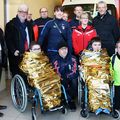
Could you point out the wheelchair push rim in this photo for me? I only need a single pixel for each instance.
(19, 93)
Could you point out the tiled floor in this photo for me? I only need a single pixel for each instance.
(12, 114)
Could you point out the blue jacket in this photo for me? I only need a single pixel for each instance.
(67, 68)
(53, 36)
(74, 23)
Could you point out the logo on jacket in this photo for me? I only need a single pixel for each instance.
(63, 26)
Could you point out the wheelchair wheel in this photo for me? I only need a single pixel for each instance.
(79, 91)
(34, 114)
(84, 113)
(64, 110)
(116, 114)
(19, 93)
(41, 102)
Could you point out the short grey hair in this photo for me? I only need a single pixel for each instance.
(102, 2)
(23, 7)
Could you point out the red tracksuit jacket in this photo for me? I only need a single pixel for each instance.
(80, 38)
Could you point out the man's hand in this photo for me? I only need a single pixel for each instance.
(16, 53)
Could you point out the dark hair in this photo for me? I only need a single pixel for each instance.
(117, 43)
(58, 8)
(32, 44)
(94, 39)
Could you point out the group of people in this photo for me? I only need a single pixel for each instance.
(63, 41)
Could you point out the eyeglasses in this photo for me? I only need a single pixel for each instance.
(36, 49)
(44, 11)
(23, 12)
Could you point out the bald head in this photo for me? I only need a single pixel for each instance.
(43, 12)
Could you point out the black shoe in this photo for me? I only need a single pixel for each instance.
(2, 107)
(72, 106)
(1, 114)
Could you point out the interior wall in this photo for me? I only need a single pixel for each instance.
(34, 6)
(2, 14)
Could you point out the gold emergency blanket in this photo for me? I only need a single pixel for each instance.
(41, 75)
(96, 73)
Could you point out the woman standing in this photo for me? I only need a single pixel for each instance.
(54, 32)
(82, 34)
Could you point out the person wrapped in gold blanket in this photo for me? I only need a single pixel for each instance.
(96, 73)
(41, 75)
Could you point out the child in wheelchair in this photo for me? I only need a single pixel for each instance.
(96, 77)
(41, 75)
(66, 66)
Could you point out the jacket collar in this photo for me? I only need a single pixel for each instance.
(89, 27)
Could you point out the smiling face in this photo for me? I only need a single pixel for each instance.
(78, 11)
(35, 48)
(96, 46)
(58, 14)
(22, 12)
(84, 19)
(102, 7)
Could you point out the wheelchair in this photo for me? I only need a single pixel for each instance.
(83, 99)
(22, 93)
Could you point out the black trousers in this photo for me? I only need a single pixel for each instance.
(71, 87)
(117, 97)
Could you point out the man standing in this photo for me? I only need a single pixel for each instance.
(78, 10)
(106, 27)
(18, 35)
(40, 22)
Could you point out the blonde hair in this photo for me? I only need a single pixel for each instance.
(85, 14)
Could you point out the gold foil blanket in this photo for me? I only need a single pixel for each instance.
(96, 73)
(41, 75)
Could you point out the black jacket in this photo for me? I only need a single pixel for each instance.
(107, 28)
(15, 40)
(67, 68)
(13, 36)
(40, 22)
(3, 56)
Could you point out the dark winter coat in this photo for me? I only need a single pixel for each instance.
(107, 28)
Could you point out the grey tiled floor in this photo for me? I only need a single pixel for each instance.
(12, 114)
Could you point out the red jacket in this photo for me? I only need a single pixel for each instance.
(80, 38)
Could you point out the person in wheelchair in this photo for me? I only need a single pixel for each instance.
(96, 76)
(66, 66)
(41, 75)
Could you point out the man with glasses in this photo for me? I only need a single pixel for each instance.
(18, 36)
(40, 22)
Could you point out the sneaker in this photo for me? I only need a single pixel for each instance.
(98, 111)
(72, 106)
(106, 111)
(1, 114)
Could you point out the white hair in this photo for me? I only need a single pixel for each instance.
(23, 7)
